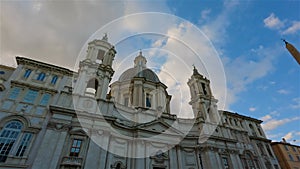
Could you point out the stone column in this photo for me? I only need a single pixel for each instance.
(93, 155)
(140, 152)
(173, 158)
(105, 139)
(50, 150)
(179, 158)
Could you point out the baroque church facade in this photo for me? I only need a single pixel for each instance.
(55, 118)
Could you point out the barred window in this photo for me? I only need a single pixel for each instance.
(8, 137)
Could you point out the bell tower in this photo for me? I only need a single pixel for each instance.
(203, 103)
(95, 71)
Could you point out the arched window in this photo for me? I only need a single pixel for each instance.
(41, 76)
(260, 132)
(54, 79)
(91, 88)
(27, 73)
(252, 130)
(118, 166)
(8, 137)
(148, 100)
(248, 161)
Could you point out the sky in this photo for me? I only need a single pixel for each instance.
(236, 44)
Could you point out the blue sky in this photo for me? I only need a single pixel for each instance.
(262, 78)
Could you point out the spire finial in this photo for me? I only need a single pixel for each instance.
(284, 41)
(105, 38)
(141, 52)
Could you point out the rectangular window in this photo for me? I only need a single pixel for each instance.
(148, 100)
(294, 149)
(24, 144)
(269, 151)
(24, 108)
(54, 79)
(126, 101)
(100, 55)
(298, 157)
(14, 93)
(7, 104)
(225, 162)
(30, 96)
(45, 99)
(41, 76)
(40, 111)
(286, 147)
(75, 148)
(291, 157)
(27, 73)
(204, 88)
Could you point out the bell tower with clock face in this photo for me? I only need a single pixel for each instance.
(95, 71)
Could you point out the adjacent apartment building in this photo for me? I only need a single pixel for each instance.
(55, 118)
(288, 155)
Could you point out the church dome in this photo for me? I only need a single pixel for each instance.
(148, 74)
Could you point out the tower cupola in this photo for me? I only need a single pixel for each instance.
(140, 62)
(95, 71)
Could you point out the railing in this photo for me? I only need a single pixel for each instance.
(75, 161)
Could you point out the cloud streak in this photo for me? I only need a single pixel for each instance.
(271, 123)
(273, 22)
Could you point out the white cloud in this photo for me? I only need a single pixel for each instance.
(283, 91)
(284, 27)
(273, 136)
(293, 28)
(273, 22)
(288, 136)
(249, 70)
(205, 13)
(252, 109)
(272, 124)
(52, 32)
(266, 117)
(296, 103)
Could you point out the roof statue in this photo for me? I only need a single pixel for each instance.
(105, 38)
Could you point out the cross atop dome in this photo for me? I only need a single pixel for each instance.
(140, 61)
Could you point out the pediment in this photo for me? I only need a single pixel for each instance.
(77, 131)
(160, 126)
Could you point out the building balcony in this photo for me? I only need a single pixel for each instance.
(73, 161)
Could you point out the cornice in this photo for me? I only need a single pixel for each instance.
(27, 61)
(241, 116)
(22, 84)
